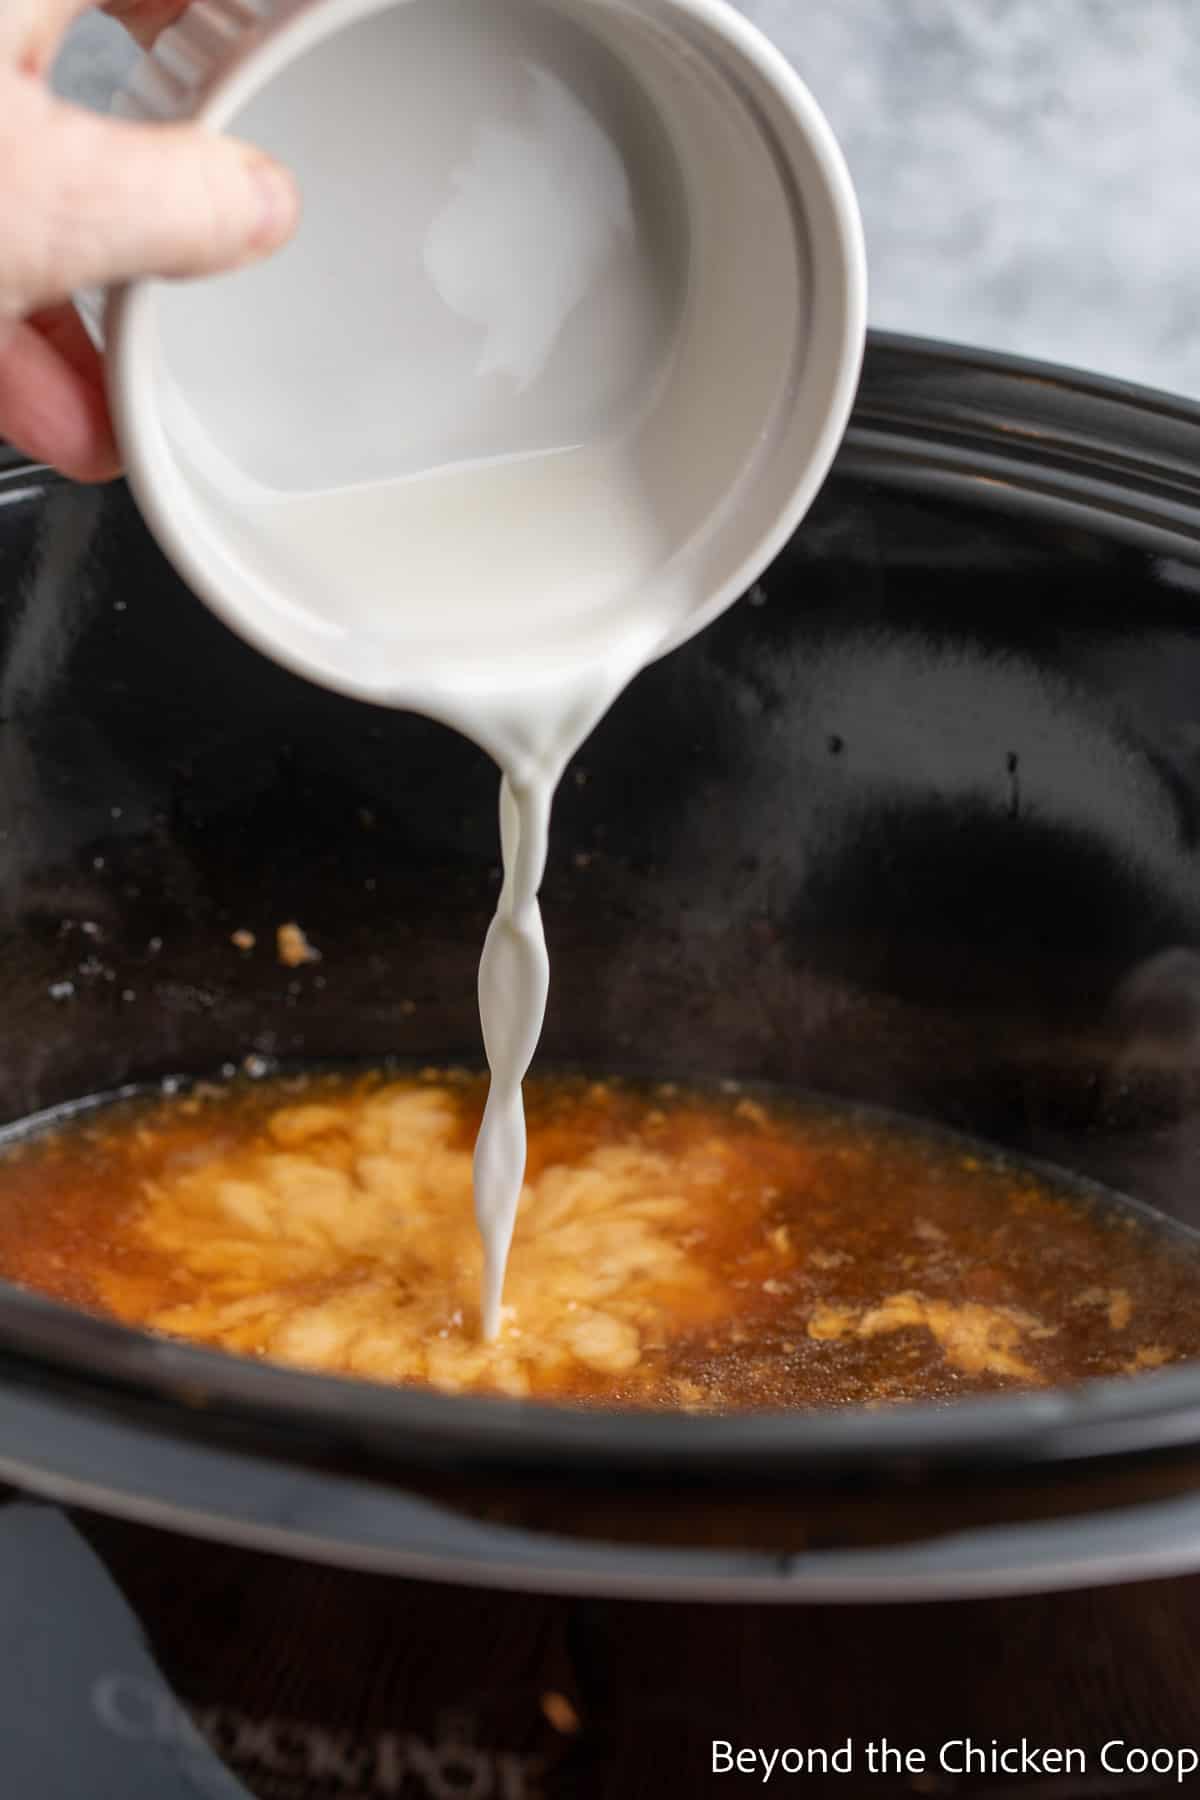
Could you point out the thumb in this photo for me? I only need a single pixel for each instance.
(130, 200)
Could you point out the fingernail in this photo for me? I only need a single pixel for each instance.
(278, 203)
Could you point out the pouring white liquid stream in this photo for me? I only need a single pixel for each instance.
(514, 980)
(514, 972)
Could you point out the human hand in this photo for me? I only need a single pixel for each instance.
(85, 201)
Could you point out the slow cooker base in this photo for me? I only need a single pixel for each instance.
(143, 1663)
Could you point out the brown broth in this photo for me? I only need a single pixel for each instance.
(674, 1249)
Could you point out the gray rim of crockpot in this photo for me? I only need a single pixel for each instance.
(69, 1456)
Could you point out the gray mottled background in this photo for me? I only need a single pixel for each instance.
(1027, 168)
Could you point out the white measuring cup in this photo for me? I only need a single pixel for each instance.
(563, 347)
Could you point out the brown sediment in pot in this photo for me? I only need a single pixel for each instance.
(292, 946)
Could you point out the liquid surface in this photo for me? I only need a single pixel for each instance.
(671, 1250)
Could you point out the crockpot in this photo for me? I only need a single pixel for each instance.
(915, 825)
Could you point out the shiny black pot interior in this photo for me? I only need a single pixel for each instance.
(915, 824)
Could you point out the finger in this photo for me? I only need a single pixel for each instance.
(52, 403)
(145, 19)
(30, 30)
(108, 201)
(65, 331)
